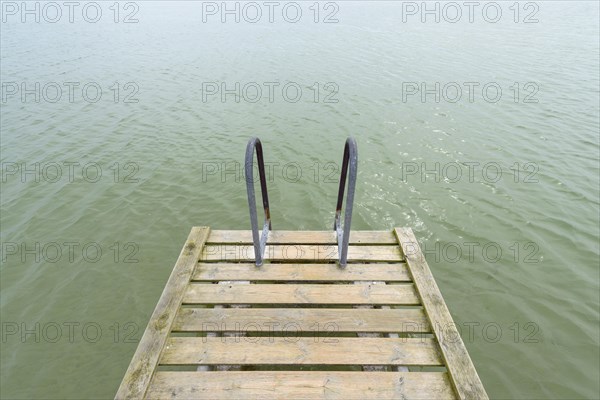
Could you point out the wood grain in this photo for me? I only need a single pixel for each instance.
(301, 272)
(294, 350)
(300, 253)
(302, 237)
(310, 320)
(401, 294)
(292, 385)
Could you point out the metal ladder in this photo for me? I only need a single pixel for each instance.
(349, 162)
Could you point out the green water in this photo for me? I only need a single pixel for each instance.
(508, 213)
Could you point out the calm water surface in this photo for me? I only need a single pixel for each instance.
(507, 208)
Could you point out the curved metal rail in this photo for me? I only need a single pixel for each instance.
(259, 242)
(350, 162)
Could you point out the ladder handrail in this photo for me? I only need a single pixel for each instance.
(259, 242)
(350, 161)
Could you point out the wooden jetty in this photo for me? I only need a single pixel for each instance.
(299, 326)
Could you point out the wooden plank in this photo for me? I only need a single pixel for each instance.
(460, 367)
(312, 320)
(401, 294)
(302, 237)
(294, 350)
(269, 385)
(300, 253)
(372, 368)
(145, 359)
(397, 272)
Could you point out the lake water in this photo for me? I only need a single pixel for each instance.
(481, 134)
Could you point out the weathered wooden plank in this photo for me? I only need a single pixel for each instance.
(294, 350)
(310, 320)
(460, 367)
(200, 293)
(302, 237)
(372, 368)
(300, 253)
(145, 359)
(397, 272)
(332, 385)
